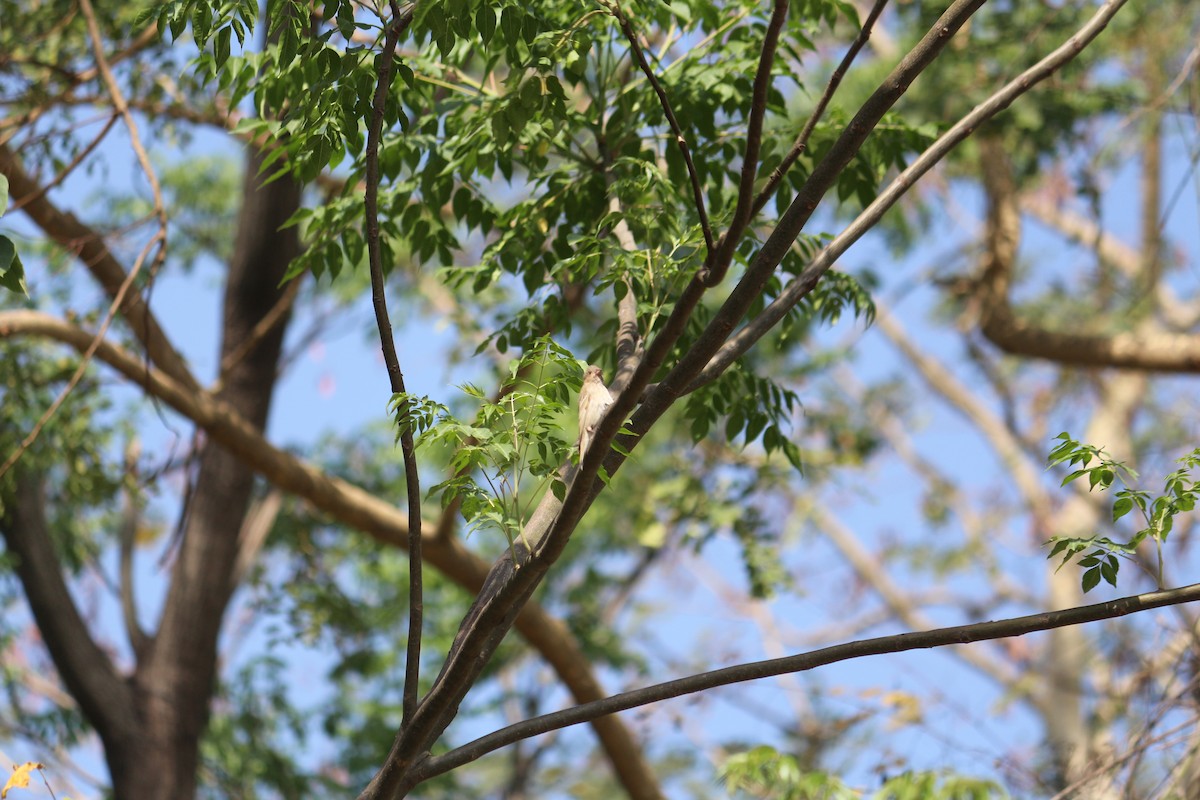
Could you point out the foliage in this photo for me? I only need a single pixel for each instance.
(530, 185)
(1157, 512)
(515, 440)
(12, 272)
(765, 773)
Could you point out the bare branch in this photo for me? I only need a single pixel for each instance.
(899, 643)
(401, 19)
(273, 318)
(88, 246)
(1006, 446)
(875, 574)
(1110, 250)
(70, 167)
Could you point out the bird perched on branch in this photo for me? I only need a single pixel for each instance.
(594, 400)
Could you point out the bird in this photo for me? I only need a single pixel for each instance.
(594, 400)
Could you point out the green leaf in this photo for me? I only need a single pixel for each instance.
(12, 272)
(1091, 579)
(406, 74)
(3, 194)
(1122, 507)
(485, 21)
(221, 46)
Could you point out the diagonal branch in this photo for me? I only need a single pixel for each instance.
(801, 285)
(507, 588)
(1007, 447)
(757, 670)
(745, 210)
(822, 178)
(835, 80)
(640, 57)
(87, 671)
(66, 230)
(401, 19)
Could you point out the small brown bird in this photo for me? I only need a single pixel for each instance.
(594, 400)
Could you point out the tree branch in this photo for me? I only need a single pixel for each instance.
(823, 176)
(89, 675)
(88, 246)
(1006, 446)
(355, 508)
(835, 80)
(697, 192)
(401, 19)
(1145, 348)
(745, 210)
(802, 284)
(899, 643)
(507, 589)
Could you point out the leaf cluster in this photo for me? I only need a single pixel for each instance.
(1157, 512)
(512, 440)
(764, 772)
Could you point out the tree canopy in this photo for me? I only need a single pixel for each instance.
(847, 269)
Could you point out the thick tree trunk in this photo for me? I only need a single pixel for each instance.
(174, 680)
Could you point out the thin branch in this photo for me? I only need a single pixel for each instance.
(745, 210)
(130, 517)
(749, 289)
(1008, 448)
(70, 167)
(401, 19)
(835, 80)
(83, 362)
(803, 662)
(274, 317)
(872, 571)
(159, 238)
(697, 192)
(88, 246)
(1110, 250)
(802, 284)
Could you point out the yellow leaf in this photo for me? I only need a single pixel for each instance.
(20, 777)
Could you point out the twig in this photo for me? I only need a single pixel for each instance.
(835, 80)
(744, 211)
(265, 325)
(69, 168)
(697, 192)
(803, 662)
(401, 19)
